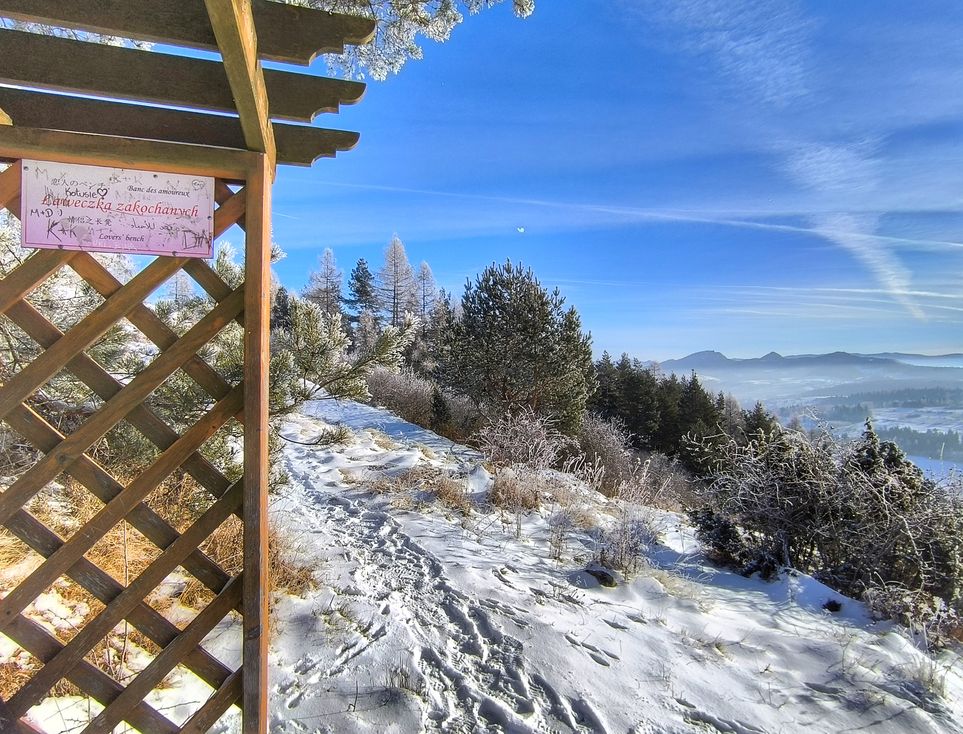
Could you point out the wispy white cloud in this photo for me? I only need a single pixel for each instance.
(764, 48)
(829, 225)
(760, 45)
(846, 291)
(854, 233)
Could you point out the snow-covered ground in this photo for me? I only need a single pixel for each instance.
(427, 620)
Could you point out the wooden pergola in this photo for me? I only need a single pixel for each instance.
(230, 120)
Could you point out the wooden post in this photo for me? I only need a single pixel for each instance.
(233, 24)
(93, 129)
(257, 306)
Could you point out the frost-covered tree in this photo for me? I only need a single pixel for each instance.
(180, 287)
(427, 292)
(361, 290)
(437, 332)
(516, 347)
(731, 416)
(281, 310)
(399, 25)
(312, 360)
(324, 285)
(396, 287)
(366, 332)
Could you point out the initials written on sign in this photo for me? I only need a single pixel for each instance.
(99, 209)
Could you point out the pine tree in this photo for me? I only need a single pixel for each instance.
(697, 410)
(637, 401)
(668, 437)
(366, 332)
(281, 310)
(732, 418)
(396, 288)
(605, 400)
(440, 412)
(516, 347)
(438, 331)
(758, 420)
(311, 360)
(418, 355)
(324, 286)
(361, 291)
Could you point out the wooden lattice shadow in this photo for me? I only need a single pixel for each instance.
(69, 451)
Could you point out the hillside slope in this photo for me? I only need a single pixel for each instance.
(424, 619)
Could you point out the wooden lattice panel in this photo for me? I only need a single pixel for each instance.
(127, 499)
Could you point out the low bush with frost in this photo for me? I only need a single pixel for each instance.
(859, 517)
(625, 543)
(403, 393)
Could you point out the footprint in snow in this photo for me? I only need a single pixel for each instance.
(499, 574)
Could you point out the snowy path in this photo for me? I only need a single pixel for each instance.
(468, 669)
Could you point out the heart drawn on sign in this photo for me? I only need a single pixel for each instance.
(102, 192)
(198, 185)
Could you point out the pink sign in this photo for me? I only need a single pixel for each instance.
(96, 209)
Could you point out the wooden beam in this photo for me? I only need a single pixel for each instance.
(257, 305)
(286, 33)
(18, 142)
(66, 65)
(29, 274)
(73, 652)
(165, 661)
(150, 324)
(206, 716)
(297, 35)
(233, 24)
(10, 184)
(117, 508)
(115, 409)
(90, 680)
(105, 587)
(296, 144)
(84, 333)
(103, 486)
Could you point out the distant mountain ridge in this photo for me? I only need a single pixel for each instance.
(774, 376)
(709, 358)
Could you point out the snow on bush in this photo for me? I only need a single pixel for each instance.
(521, 438)
(862, 518)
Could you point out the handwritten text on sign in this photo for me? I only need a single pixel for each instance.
(98, 209)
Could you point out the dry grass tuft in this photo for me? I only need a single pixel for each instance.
(514, 490)
(12, 550)
(446, 489)
(453, 494)
(382, 440)
(224, 547)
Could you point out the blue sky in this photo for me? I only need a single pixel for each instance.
(739, 175)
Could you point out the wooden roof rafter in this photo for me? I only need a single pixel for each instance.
(243, 31)
(290, 34)
(33, 60)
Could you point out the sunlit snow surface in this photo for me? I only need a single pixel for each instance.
(427, 621)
